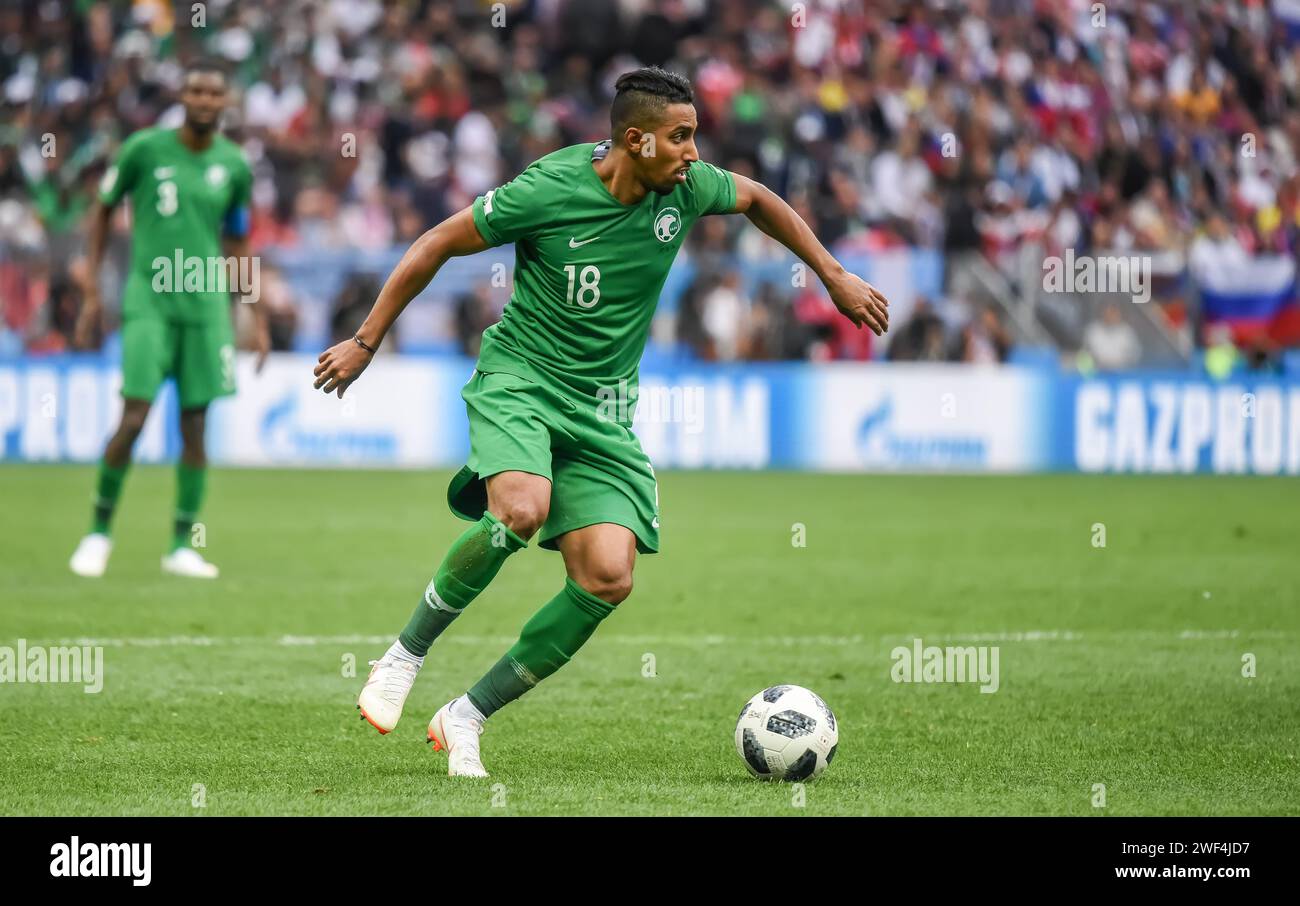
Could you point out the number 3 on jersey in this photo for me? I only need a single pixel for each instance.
(166, 205)
(588, 285)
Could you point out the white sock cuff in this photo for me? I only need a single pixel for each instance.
(464, 709)
(398, 650)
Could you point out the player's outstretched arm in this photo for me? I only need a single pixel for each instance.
(860, 302)
(343, 363)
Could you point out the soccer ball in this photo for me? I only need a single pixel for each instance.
(786, 733)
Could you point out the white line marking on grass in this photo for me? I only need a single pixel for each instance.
(170, 641)
(710, 639)
(293, 641)
(1032, 635)
(1066, 635)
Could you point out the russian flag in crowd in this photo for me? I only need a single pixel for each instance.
(1253, 296)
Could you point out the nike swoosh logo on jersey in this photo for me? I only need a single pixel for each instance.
(164, 172)
(573, 243)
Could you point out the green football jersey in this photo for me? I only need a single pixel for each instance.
(588, 268)
(182, 201)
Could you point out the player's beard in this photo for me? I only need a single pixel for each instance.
(667, 187)
(199, 127)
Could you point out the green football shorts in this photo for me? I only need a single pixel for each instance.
(201, 357)
(597, 469)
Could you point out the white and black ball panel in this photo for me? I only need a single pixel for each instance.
(786, 733)
(791, 723)
(804, 766)
(752, 751)
(772, 693)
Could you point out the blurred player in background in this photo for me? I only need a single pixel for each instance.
(596, 228)
(187, 187)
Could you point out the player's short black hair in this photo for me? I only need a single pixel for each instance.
(640, 97)
(206, 64)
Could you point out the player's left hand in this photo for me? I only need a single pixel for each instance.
(340, 365)
(860, 302)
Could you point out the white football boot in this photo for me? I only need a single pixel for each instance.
(459, 736)
(90, 559)
(385, 691)
(186, 561)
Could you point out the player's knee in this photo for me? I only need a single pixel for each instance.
(523, 515)
(610, 583)
(192, 447)
(194, 421)
(133, 421)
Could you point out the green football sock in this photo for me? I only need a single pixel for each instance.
(548, 641)
(469, 566)
(190, 483)
(108, 488)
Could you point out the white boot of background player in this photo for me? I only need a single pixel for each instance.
(186, 561)
(90, 559)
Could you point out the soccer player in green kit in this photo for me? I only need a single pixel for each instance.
(187, 186)
(595, 229)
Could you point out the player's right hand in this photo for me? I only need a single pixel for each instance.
(860, 302)
(88, 319)
(340, 365)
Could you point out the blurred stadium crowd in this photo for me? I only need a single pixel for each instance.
(975, 129)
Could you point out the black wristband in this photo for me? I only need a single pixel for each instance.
(362, 343)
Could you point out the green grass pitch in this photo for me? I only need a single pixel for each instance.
(1120, 665)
